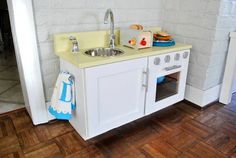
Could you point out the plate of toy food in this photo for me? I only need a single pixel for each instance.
(163, 39)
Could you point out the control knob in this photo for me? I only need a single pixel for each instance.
(177, 56)
(185, 55)
(167, 59)
(157, 61)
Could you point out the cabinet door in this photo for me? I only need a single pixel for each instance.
(115, 94)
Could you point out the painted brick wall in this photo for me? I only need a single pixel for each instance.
(58, 16)
(205, 24)
(226, 23)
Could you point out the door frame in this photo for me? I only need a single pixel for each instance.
(230, 71)
(27, 56)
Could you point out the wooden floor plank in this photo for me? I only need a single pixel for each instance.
(223, 143)
(13, 152)
(197, 129)
(88, 152)
(58, 128)
(70, 143)
(46, 151)
(10, 145)
(175, 117)
(21, 120)
(6, 127)
(28, 138)
(189, 110)
(204, 151)
(115, 145)
(178, 131)
(42, 133)
(157, 148)
(233, 155)
(138, 133)
(182, 141)
(211, 120)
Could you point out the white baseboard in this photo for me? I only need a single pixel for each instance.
(200, 97)
(50, 117)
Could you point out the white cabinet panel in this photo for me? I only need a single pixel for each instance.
(115, 94)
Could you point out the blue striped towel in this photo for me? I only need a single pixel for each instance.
(63, 98)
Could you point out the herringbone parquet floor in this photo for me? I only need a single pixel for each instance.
(178, 131)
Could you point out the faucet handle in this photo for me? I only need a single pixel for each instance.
(75, 46)
(113, 36)
(72, 38)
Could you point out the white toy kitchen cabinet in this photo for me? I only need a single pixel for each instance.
(108, 96)
(114, 90)
(111, 95)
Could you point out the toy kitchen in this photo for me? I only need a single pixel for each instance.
(121, 75)
(166, 74)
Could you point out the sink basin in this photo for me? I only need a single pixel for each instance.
(104, 52)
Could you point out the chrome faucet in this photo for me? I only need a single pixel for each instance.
(75, 44)
(112, 35)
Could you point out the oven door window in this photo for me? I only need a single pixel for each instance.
(167, 86)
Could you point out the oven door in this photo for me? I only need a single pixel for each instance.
(166, 80)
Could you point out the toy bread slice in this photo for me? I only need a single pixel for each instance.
(140, 27)
(136, 27)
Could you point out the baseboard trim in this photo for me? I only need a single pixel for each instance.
(200, 97)
(201, 108)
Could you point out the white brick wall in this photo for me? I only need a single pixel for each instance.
(226, 22)
(206, 25)
(203, 23)
(58, 16)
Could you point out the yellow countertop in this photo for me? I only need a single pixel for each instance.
(82, 60)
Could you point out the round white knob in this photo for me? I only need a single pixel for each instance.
(185, 55)
(177, 56)
(157, 61)
(167, 59)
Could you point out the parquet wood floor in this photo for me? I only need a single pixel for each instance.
(179, 131)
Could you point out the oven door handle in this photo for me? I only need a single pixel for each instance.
(172, 67)
(146, 73)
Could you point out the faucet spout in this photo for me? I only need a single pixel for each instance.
(108, 14)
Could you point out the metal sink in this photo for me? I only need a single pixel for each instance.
(104, 52)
